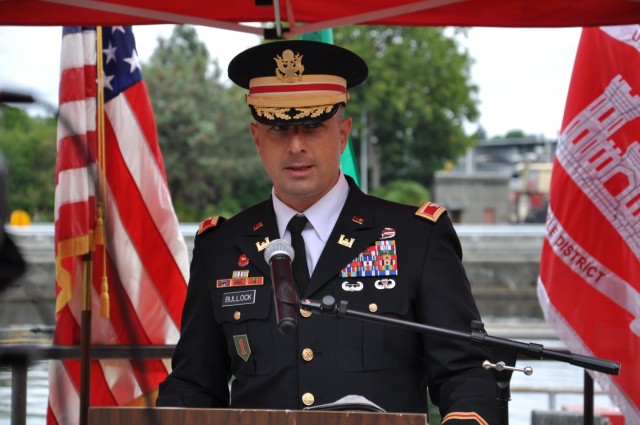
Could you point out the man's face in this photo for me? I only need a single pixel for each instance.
(302, 161)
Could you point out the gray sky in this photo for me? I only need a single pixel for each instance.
(523, 74)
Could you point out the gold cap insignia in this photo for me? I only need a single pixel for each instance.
(289, 67)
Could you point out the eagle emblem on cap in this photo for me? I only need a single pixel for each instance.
(290, 66)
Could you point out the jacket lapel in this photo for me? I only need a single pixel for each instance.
(354, 231)
(258, 234)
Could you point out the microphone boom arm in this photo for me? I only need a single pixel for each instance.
(329, 306)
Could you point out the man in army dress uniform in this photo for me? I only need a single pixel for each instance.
(384, 258)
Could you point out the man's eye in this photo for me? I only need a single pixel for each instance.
(280, 127)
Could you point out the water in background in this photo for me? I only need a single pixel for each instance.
(37, 394)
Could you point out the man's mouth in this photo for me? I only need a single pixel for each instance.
(299, 167)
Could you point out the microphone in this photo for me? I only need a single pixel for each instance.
(279, 254)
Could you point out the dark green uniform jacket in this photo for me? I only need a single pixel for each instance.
(381, 257)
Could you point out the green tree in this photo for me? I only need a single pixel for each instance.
(405, 192)
(209, 156)
(414, 103)
(29, 147)
(515, 134)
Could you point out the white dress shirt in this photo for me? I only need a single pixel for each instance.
(322, 218)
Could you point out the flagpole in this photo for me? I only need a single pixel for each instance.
(85, 339)
(87, 259)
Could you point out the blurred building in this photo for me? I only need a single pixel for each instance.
(498, 181)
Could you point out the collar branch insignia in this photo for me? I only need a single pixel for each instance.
(344, 241)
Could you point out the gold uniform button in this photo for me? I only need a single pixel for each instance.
(236, 315)
(305, 313)
(373, 307)
(308, 399)
(307, 354)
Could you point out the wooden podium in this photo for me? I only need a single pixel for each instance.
(180, 416)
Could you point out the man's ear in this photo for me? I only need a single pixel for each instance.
(345, 130)
(255, 134)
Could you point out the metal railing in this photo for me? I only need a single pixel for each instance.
(19, 356)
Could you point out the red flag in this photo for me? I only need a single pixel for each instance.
(589, 286)
(146, 262)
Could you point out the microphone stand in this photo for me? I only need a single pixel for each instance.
(505, 349)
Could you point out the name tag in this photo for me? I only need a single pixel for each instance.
(230, 299)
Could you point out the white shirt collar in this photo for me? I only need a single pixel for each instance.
(322, 215)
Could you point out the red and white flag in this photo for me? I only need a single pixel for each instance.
(589, 286)
(146, 261)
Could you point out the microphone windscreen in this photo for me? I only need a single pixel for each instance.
(278, 247)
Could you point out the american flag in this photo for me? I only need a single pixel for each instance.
(146, 257)
(589, 286)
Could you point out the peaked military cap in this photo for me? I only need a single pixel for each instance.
(296, 82)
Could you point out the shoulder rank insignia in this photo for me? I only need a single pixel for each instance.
(209, 223)
(430, 211)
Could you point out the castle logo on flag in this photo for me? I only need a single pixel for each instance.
(589, 284)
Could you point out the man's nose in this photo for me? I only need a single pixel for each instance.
(297, 142)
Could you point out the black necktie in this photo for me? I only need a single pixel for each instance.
(299, 267)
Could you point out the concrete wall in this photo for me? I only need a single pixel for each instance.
(471, 197)
(500, 260)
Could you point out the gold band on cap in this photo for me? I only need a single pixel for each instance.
(309, 90)
(297, 100)
(304, 79)
(309, 96)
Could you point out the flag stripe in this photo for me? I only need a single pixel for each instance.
(83, 213)
(73, 153)
(148, 176)
(141, 231)
(142, 216)
(70, 92)
(72, 187)
(589, 270)
(63, 395)
(69, 125)
(144, 261)
(137, 96)
(615, 387)
(140, 289)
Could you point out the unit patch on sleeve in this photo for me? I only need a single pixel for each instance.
(379, 259)
(242, 346)
(240, 278)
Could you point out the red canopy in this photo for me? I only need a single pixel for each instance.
(322, 14)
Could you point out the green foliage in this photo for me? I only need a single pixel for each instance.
(403, 191)
(416, 99)
(29, 148)
(515, 134)
(512, 134)
(210, 159)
